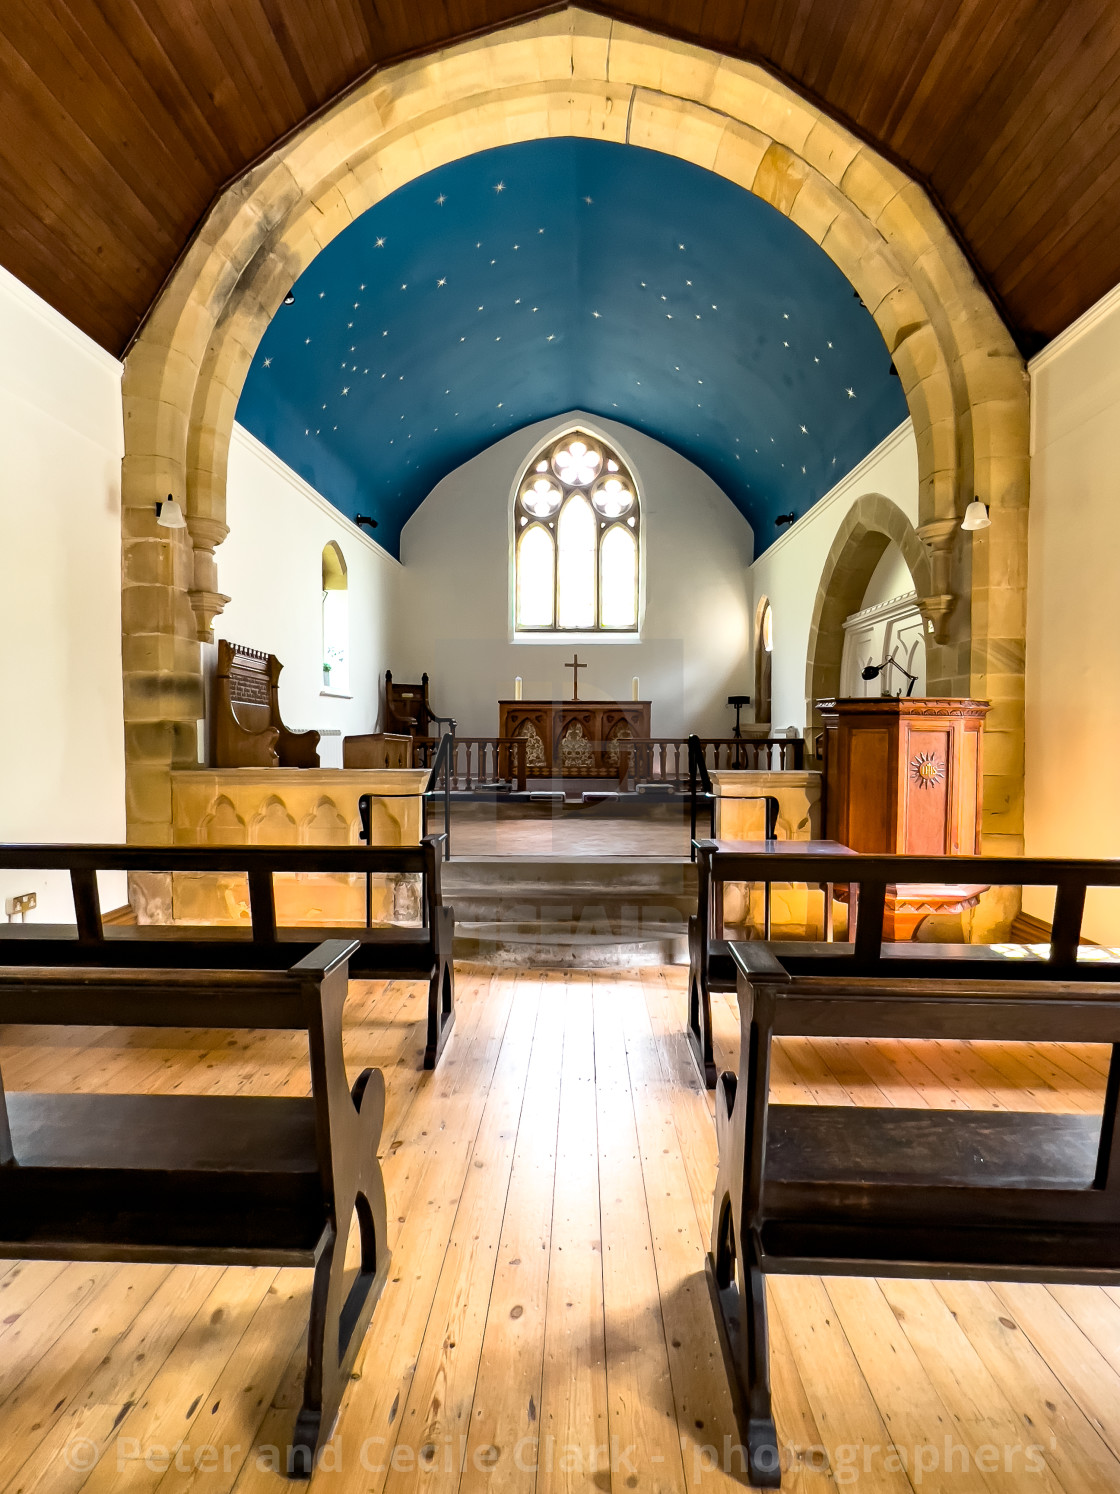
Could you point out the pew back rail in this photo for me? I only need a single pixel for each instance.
(710, 967)
(383, 953)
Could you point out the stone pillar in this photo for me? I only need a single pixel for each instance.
(163, 696)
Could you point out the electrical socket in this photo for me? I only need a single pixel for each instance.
(21, 905)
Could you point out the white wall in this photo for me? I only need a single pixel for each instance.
(890, 579)
(62, 743)
(271, 568)
(1073, 606)
(790, 571)
(456, 621)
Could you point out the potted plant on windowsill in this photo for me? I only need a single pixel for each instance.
(326, 676)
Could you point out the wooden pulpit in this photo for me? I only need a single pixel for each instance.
(904, 777)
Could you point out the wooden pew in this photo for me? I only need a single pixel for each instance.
(207, 1179)
(396, 952)
(827, 1190)
(710, 966)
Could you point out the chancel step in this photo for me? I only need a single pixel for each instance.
(576, 912)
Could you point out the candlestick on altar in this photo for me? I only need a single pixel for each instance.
(634, 688)
(517, 688)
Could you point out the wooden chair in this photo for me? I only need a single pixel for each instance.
(207, 1179)
(377, 749)
(852, 1190)
(248, 730)
(407, 709)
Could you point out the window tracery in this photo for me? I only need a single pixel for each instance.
(577, 524)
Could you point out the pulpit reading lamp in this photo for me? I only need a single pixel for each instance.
(871, 670)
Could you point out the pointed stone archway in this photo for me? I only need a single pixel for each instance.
(870, 525)
(566, 73)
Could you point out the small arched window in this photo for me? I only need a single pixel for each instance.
(577, 526)
(336, 622)
(763, 661)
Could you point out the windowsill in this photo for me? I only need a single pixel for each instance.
(564, 639)
(337, 694)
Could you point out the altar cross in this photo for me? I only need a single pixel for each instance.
(575, 666)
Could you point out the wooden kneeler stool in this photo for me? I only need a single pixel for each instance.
(941, 1194)
(208, 1180)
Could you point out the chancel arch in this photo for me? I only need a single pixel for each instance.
(565, 73)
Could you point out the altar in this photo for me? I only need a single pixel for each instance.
(574, 738)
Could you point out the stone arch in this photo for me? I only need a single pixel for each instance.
(568, 72)
(869, 526)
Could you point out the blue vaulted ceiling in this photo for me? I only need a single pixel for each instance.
(522, 282)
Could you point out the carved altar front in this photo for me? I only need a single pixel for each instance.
(574, 738)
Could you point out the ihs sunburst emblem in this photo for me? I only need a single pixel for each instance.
(927, 770)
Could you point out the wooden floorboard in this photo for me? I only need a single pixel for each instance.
(546, 1326)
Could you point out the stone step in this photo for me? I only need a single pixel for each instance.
(571, 945)
(571, 912)
(622, 890)
(639, 874)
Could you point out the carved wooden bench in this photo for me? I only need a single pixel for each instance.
(248, 731)
(894, 1192)
(385, 953)
(203, 1179)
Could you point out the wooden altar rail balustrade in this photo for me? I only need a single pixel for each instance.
(478, 762)
(665, 759)
(491, 762)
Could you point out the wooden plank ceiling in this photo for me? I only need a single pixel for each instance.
(123, 118)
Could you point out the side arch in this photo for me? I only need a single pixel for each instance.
(868, 528)
(565, 73)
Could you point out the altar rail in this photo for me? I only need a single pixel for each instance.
(502, 762)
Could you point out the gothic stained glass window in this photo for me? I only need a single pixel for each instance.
(578, 533)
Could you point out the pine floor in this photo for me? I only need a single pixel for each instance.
(549, 1192)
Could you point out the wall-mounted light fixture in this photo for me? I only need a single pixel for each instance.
(169, 515)
(785, 518)
(290, 299)
(365, 519)
(976, 516)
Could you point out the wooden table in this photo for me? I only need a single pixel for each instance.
(779, 848)
(910, 903)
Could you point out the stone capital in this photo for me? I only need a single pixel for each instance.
(207, 605)
(938, 610)
(206, 534)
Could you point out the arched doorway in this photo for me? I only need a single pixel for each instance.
(887, 632)
(870, 526)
